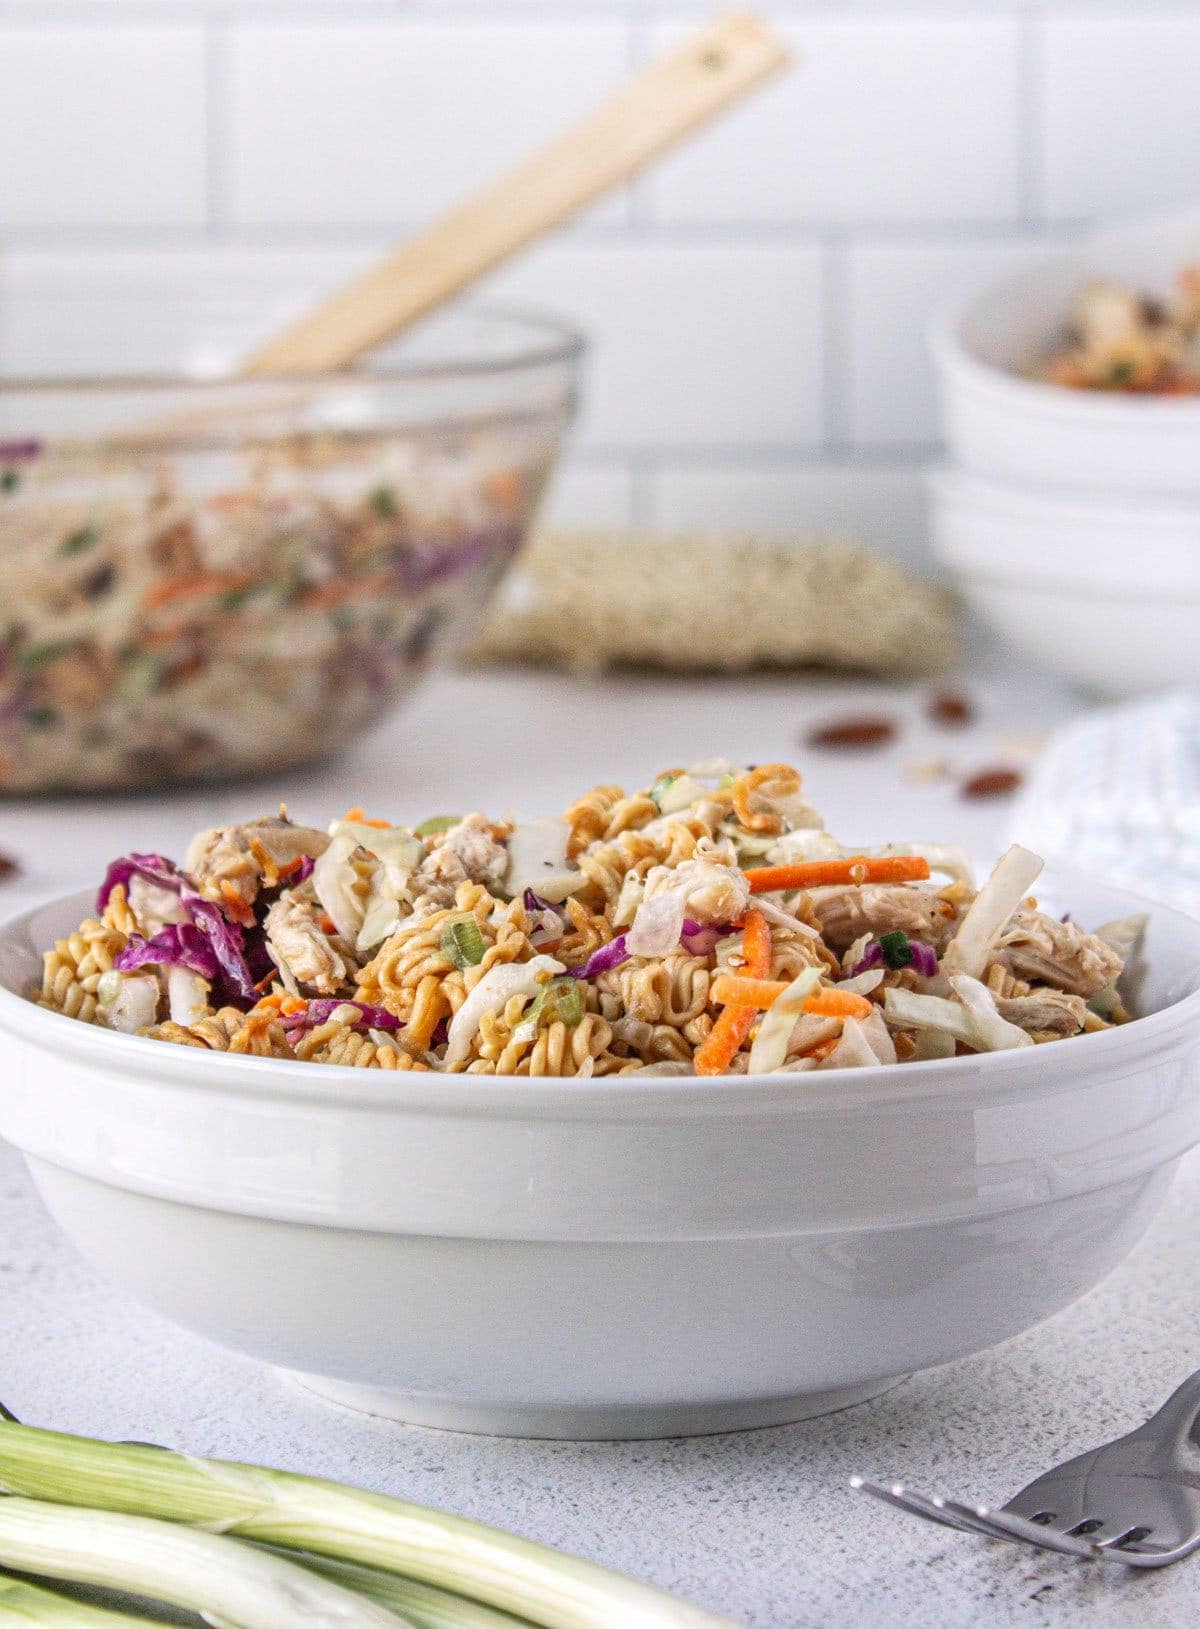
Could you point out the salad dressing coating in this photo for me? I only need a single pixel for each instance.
(706, 924)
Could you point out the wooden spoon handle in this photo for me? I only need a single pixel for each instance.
(599, 151)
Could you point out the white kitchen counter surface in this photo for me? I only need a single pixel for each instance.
(760, 1526)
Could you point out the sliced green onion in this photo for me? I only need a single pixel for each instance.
(41, 718)
(197, 1571)
(383, 502)
(559, 999)
(897, 952)
(9, 480)
(437, 823)
(39, 655)
(301, 1513)
(84, 537)
(23, 1602)
(1104, 1002)
(462, 942)
(660, 786)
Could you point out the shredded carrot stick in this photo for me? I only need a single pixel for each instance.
(194, 585)
(756, 945)
(358, 818)
(292, 1004)
(235, 905)
(768, 879)
(324, 596)
(829, 1003)
(721, 1045)
(290, 869)
(506, 489)
(728, 991)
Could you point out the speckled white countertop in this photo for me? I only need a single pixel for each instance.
(760, 1526)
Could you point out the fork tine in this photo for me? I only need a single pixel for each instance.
(1106, 1550)
(1043, 1538)
(915, 1504)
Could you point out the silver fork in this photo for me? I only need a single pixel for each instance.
(1135, 1500)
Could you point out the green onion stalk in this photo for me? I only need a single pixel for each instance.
(200, 1572)
(23, 1602)
(329, 1519)
(420, 1605)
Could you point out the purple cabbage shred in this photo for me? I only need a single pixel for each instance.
(177, 945)
(318, 1012)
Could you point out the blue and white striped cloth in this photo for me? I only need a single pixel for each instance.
(1118, 792)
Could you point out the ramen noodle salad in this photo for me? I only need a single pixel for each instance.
(1121, 339)
(706, 925)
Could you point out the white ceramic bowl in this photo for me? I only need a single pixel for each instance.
(1104, 590)
(998, 422)
(606, 1258)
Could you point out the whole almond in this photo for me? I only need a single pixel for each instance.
(992, 783)
(866, 730)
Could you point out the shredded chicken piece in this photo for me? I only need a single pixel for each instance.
(1044, 1010)
(467, 852)
(239, 858)
(300, 946)
(1037, 947)
(846, 913)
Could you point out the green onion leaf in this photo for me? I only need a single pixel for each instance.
(533, 1582)
(85, 537)
(437, 823)
(9, 480)
(462, 942)
(40, 718)
(897, 952)
(383, 502)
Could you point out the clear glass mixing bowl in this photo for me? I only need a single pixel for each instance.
(203, 577)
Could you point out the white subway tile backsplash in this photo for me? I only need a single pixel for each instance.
(102, 125)
(72, 311)
(757, 303)
(1120, 110)
(706, 345)
(362, 121)
(892, 293)
(880, 504)
(888, 117)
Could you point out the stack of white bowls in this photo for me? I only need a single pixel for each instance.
(1071, 518)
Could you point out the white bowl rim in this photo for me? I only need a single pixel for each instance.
(950, 353)
(342, 1085)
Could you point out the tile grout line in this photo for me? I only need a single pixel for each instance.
(835, 339)
(1031, 131)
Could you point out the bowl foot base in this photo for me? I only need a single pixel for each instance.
(614, 1422)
